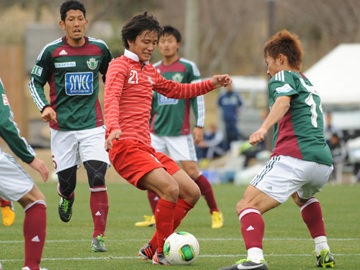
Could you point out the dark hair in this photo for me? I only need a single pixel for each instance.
(71, 4)
(169, 30)
(285, 43)
(137, 25)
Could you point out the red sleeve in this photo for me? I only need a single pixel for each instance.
(115, 78)
(175, 90)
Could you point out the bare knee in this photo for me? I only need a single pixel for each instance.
(190, 167)
(299, 201)
(241, 205)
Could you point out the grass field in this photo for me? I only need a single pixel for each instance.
(287, 243)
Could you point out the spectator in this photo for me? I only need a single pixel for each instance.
(230, 104)
(338, 152)
(211, 145)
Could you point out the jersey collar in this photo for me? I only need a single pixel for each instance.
(133, 56)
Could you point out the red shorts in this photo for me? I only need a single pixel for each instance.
(133, 159)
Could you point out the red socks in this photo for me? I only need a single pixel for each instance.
(252, 227)
(34, 229)
(164, 217)
(312, 216)
(153, 200)
(181, 210)
(99, 206)
(207, 192)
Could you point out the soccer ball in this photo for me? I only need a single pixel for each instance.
(181, 248)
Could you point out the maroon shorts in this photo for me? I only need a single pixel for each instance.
(133, 159)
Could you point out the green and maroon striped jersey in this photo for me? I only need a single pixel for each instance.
(300, 133)
(171, 117)
(10, 133)
(73, 76)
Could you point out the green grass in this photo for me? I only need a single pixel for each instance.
(287, 243)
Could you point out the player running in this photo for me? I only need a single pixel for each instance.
(301, 161)
(170, 122)
(16, 185)
(71, 66)
(128, 95)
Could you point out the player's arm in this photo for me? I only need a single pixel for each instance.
(107, 58)
(278, 110)
(10, 133)
(38, 78)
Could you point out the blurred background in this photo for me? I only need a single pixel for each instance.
(221, 36)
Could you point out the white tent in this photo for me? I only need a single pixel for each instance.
(336, 76)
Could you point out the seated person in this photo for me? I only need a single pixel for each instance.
(211, 145)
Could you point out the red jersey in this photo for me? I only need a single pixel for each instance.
(128, 95)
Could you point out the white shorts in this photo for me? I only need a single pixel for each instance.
(179, 148)
(70, 148)
(284, 175)
(14, 181)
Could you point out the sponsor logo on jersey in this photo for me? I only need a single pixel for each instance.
(37, 70)
(63, 52)
(177, 78)
(79, 83)
(65, 64)
(92, 63)
(162, 100)
(5, 99)
(284, 89)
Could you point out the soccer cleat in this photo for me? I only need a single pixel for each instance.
(65, 209)
(217, 220)
(247, 264)
(325, 259)
(148, 222)
(159, 258)
(8, 214)
(97, 244)
(146, 252)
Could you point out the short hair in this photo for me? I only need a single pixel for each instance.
(71, 4)
(285, 43)
(137, 25)
(169, 30)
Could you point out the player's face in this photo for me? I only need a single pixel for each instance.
(144, 45)
(74, 25)
(273, 66)
(168, 45)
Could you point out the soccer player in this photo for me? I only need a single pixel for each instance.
(301, 160)
(128, 95)
(16, 185)
(170, 122)
(71, 66)
(7, 210)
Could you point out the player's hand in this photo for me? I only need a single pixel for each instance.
(114, 135)
(257, 136)
(221, 80)
(49, 115)
(198, 134)
(41, 167)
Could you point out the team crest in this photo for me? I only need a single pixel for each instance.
(177, 78)
(92, 63)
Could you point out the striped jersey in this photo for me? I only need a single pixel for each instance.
(73, 76)
(169, 116)
(300, 133)
(10, 133)
(128, 95)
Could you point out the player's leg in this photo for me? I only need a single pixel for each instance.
(8, 212)
(160, 182)
(311, 213)
(65, 154)
(191, 168)
(99, 203)
(34, 227)
(96, 162)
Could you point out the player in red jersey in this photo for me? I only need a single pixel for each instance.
(128, 95)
